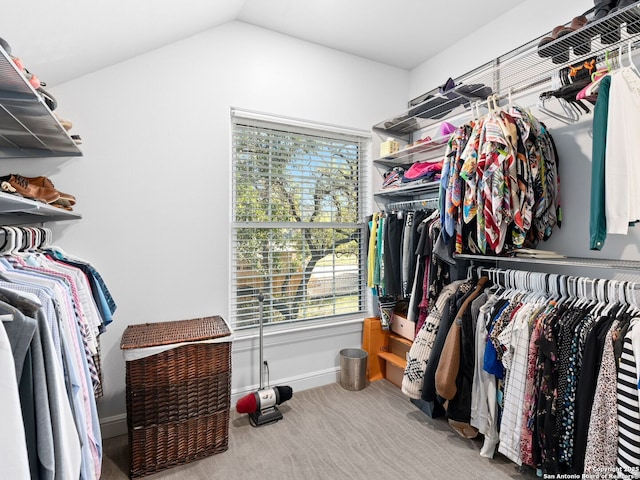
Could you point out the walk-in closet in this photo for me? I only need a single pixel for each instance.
(523, 310)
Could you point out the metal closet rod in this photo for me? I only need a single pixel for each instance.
(558, 261)
(426, 203)
(603, 290)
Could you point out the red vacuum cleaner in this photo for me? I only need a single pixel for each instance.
(261, 405)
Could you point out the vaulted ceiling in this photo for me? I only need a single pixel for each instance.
(63, 39)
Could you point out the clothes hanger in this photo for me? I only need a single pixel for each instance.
(587, 292)
(514, 290)
(631, 63)
(470, 272)
(532, 281)
(48, 238)
(27, 235)
(571, 283)
(590, 91)
(5, 239)
(29, 251)
(622, 298)
(608, 62)
(598, 286)
(483, 272)
(592, 293)
(9, 244)
(511, 107)
(602, 296)
(544, 286)
(19, 244)
(570, 115)
(612, 286)
(530, 285)
(620, 48)
(563, 290)
(494, 103)
(579, 285)
(635, 307)
(552, 286)
(501, 284)
(35, 239)
(514, 109)
(473, 111)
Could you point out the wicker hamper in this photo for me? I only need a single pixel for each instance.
(178, 399)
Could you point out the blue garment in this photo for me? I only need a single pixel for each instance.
(491, 363)
(93, 276)
(105, 306)
(442, 194)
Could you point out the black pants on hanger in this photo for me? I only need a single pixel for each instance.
(392, 254)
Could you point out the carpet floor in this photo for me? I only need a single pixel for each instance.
(332, 433)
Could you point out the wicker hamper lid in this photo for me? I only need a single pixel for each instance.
(165, 333)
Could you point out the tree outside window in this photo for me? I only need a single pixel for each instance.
(297, 223)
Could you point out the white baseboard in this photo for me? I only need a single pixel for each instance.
(116, 425)
(297, 383)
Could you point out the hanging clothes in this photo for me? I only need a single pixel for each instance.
(413, 379)
(622, 202)
(597, 215)
(614, 171)
(404, 273)
(500, 187)
(542, 369)
(13, 443)
(602, 439)
(628, 460)
(53, 309)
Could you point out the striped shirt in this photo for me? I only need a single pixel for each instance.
(628, 404)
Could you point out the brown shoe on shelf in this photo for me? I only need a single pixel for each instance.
(66, 199)
(61, 207)
(551, 46)
(580, 41)
(22, 186)
(559, 51)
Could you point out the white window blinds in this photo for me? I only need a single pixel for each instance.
(298, 227)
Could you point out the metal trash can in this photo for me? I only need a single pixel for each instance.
(353, 368)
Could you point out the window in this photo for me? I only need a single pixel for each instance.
(298, 228)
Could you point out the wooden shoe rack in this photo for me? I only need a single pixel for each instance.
(387, 352)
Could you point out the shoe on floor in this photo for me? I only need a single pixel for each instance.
(463, 429)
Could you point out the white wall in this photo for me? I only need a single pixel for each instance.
(153, 185)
